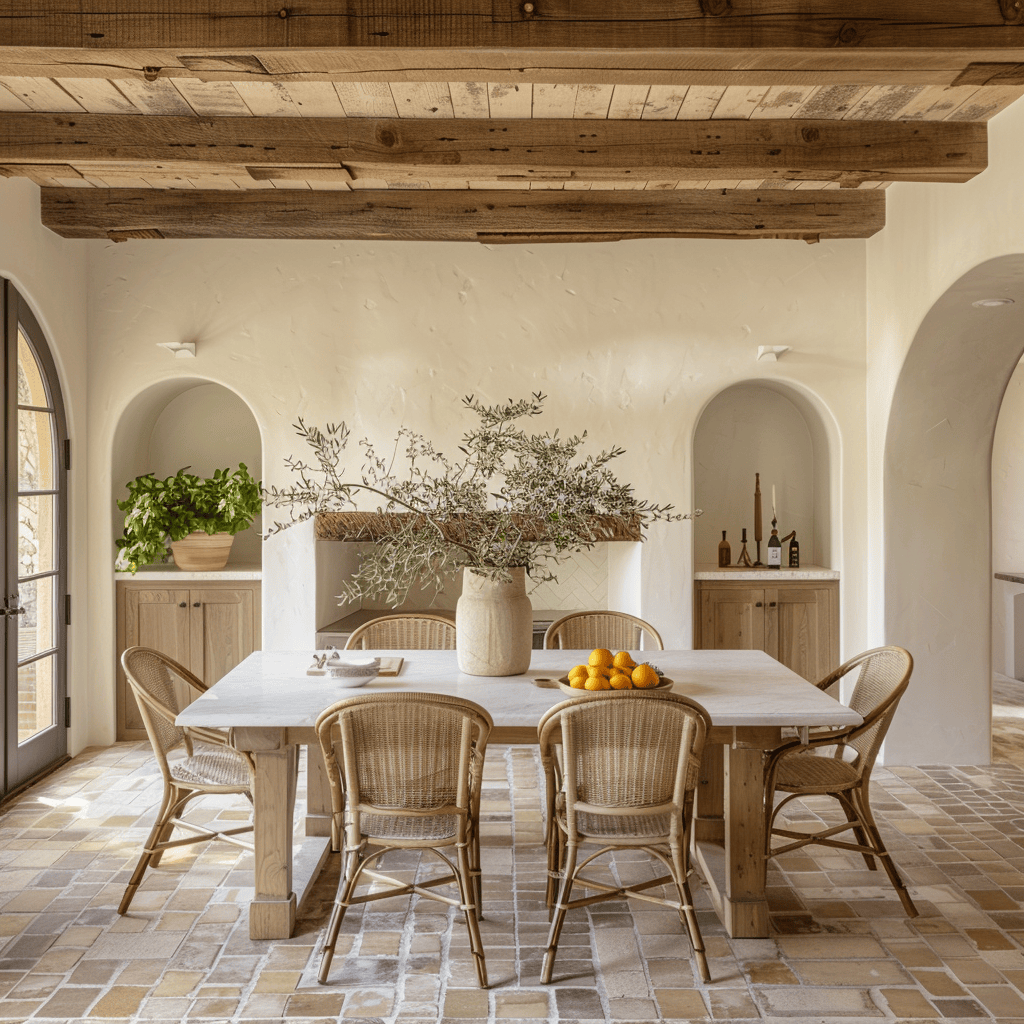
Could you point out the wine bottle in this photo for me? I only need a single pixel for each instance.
(794, 553)
(724, 553)
(774, 548)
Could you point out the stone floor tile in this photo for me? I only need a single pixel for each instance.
(805, 1001)
(68, 1002)
(463, 1003)
(684, 1004)
(731, 1004)
(908, 1002)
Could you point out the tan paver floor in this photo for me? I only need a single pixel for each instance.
(842, 949)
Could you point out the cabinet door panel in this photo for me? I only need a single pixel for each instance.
(732, 619)
(222, 630)
(157, 619)
(801, 621)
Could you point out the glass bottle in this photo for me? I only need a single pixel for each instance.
(774, 548)
(724, 553)
(794, 553)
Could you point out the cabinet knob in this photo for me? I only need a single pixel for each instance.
(184, 604)
(759, 605)
(771, 604)
(195, 604)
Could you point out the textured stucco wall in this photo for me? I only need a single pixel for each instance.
(933, 593)
(629, 341)
(51, 274)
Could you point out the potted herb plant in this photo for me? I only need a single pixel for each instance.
(511, 503)
(194, 518)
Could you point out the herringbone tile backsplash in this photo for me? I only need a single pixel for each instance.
(582, 583)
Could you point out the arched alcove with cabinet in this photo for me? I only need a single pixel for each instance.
(208, 621)
(784, 434)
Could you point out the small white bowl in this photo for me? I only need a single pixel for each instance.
(355, 672)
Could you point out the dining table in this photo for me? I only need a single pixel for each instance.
(270, 704)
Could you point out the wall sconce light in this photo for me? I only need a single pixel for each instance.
(771, 353)
(179, 349)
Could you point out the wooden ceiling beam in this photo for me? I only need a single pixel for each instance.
(538, 149)
(704, 42)
(572, 24)
(456, 216)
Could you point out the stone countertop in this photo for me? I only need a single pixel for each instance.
(740, 574)
(1011, 577)
(171, 573)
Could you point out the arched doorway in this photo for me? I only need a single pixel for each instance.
(938, 507)
(36, 458)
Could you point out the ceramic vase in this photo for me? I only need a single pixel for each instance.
(493, 625)
(202, 552)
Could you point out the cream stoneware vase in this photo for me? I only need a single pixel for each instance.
(493, 625)
(202, 552)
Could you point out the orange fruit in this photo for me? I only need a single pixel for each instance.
(644, 677)
(577, 672)
(600, 656)
(597, 683)
(620, 681)
(579, 682)
(597, 670)
(624, 660)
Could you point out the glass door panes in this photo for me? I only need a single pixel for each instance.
(34, 549)
(37, 562)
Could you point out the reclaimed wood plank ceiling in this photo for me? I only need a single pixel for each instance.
(495, 120)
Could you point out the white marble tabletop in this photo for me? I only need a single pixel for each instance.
(738, 688)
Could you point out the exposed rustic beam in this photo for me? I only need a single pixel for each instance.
(460, 215)
(726, 41)
(577, 24)
(539, 149)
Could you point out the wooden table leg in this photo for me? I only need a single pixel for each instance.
(744, 907)
(272, 911)
(318, 793)
(709, 823)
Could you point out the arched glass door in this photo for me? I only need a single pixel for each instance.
(34, 549)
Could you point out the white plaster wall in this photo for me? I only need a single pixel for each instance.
(933, 235)
(746, 430)
(50, 272)
(630, 341)
(1008, 528)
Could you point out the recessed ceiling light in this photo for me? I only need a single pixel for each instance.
(993, 302)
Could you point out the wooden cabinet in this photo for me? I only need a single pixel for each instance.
(795, 621)
(208, 627)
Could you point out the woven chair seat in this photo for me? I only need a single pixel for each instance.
(431, 829)
(626, 826)
(800, 773)
(212, 768)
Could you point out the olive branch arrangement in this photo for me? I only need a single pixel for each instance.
(510, 499)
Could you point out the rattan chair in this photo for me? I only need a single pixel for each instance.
(216, 767)
(624, 778)
(838, 763)
(422, 632)
(618, 631)
(405, 772)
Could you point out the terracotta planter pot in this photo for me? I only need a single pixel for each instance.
(493, 626)
(202, 552)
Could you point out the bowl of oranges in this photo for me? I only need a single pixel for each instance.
(610, 673)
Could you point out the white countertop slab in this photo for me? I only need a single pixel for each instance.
(738, 688)
(171, 573)
(739, 574)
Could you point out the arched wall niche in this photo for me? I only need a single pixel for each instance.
(786, 434)
(938, 513)
(187, 422)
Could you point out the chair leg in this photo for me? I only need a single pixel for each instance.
(687, 915)
(559, 918)
(883, 854)
(553, 842)
(467, 888)
(858, 829)
(149, 855)
(476, 874)
(341, 903)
